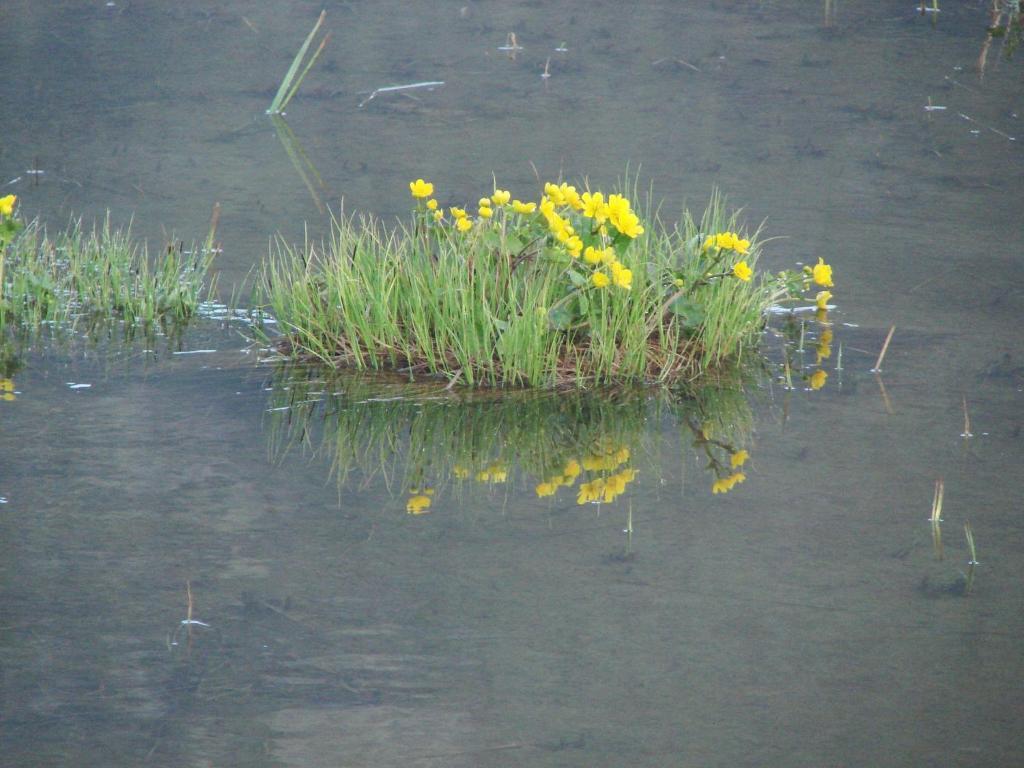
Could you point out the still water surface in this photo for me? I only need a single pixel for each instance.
(803, 618)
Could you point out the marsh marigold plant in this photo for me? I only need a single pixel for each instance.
(577, 286)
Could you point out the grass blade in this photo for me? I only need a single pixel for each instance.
(286, 85)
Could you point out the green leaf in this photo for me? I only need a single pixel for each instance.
(691, 313)
(490, 239)
(560, 317)
(515, 243)
(584, 303)
(578, 280)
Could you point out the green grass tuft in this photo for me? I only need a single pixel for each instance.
(88, 277)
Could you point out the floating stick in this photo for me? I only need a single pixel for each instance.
(967, 421)
(885, 348)
(396, 88)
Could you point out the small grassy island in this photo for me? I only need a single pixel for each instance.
(576, 289)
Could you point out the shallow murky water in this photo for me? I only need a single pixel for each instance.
(803, 618)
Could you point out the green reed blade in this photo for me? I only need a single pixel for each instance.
(279, 100)
(300, 78)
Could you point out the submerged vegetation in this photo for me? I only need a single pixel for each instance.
(576, 289)
(93, 276)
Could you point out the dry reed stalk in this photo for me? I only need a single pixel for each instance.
(885, 348)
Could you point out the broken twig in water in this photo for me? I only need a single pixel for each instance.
(885, 348)
(428, 84)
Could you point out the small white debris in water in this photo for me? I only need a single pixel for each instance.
(3, 499)
(933, 108)
(196, 352)
(194, 621)
(72, 385)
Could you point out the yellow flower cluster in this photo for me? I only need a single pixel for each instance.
(727, 241)
(566, 478)
(730, 241)
(608, 460)
(7, 204)
(557, 206)
(605, 489)
(7, 390)
(419, 501)
(726, 484)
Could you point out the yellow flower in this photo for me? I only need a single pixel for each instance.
(743, 271)
(438, 215)
(7, 204)
(501, 196)
(554, 193)
(621, 276)
(418, 505)
(562, 230)
(574, 245)
(486, 212)
(463, 224)
(421, 188)
(739, 458)
(822, 273)
(432, 204)
(599, 279)
(460, 471)
(571, 196)
(521, 207)
(590, 491)
(458, 213)
(824, 349)
(6, 385)
(594, 206)
(571, 471)
(818, 379)
(627, 223)
(546, 489)
(726, 484)
(593, 255)
(8, 396)
(821, 300)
